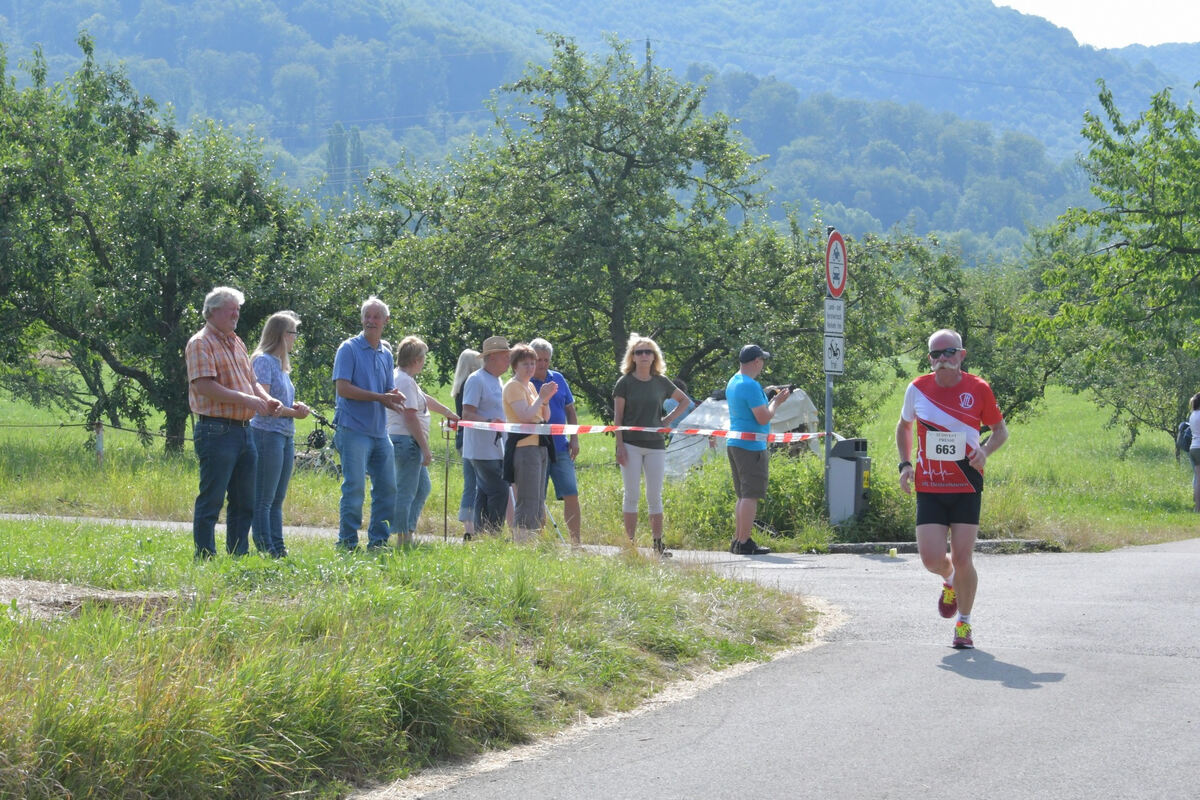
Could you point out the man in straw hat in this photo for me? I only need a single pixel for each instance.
(483, 401)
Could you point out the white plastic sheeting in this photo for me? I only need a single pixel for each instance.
(684, 451)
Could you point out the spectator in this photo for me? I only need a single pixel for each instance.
(749, 412)
(638, 401)
(468, 361)
(1194, 450)
(483, 401)
(409, 432)
(566, 448)
(274, 435)
(362, 373)
(526, 456)
(224, 396)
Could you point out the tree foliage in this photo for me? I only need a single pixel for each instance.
(1145, 174)
(605, 210)
(1135, 289)
(113, 226)
(989, 306)
(940, 118)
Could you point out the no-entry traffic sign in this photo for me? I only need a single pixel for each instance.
(836, 266)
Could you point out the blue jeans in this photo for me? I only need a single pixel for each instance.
(276, 453)
(412, 483)
(466, 506)
(364, 455)
(491, 494)
(562, 472)
(227, 461)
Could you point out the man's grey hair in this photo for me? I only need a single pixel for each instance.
(219, 296)
(542, 346)
(943, 331)
(374, 302)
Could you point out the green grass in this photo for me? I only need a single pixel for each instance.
(1061, 477)
(256, 678)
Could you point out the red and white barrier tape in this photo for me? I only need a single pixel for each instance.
(569, 430)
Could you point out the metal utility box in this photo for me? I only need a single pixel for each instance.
(847, 476)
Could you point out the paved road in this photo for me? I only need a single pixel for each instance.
(1085, 684)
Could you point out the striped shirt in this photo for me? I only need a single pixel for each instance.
(211, 354)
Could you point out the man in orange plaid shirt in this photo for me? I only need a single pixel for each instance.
(224, 396)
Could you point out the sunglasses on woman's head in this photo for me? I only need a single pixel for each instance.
(643, 352)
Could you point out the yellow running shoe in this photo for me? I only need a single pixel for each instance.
(962, 636)
(948, 601)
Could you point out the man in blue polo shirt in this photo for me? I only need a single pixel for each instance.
(562, 412)
(749, 412)
(362, 372)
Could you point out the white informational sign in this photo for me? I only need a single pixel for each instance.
(945, 446)
(835, 316)
(835, 355)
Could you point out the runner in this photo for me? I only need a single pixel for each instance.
(949, 406)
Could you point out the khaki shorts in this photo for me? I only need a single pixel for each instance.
(749, 469)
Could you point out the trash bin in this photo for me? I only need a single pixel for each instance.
(848, 476)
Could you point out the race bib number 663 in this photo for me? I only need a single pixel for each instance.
(945, 445)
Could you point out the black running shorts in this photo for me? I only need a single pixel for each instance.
(934, 508)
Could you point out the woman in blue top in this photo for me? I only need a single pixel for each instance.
(274, 435)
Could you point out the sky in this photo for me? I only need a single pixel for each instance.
(1117, 23)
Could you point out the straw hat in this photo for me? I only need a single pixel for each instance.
(494, 344)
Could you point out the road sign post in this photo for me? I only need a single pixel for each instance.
(837, 276)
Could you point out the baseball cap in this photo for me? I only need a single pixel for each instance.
(751, 352)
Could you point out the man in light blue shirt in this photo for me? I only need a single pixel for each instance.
(483, 401)
(362, 372)
(749, 412)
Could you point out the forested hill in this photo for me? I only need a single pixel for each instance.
(968, 57)
(397, 78)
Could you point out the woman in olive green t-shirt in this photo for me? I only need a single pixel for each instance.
(638, 401)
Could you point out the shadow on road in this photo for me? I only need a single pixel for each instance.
(979, 665)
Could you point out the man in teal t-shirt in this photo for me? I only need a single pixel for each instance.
(749, 412)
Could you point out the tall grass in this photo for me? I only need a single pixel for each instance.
(1062, 476)
(256, 678)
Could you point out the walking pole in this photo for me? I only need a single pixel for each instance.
(550, 517)
(447, 435)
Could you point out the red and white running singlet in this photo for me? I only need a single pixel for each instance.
(948, 422)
